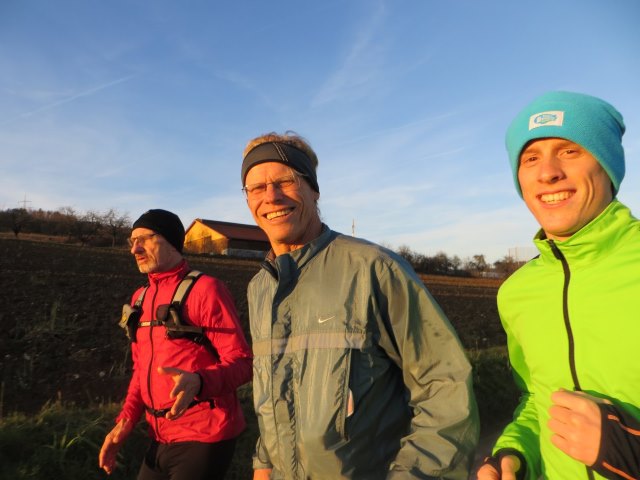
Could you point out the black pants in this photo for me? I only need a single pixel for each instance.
(187, 461)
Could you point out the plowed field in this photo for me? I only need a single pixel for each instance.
(60, 305)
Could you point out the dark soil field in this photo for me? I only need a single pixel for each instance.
(60, 306)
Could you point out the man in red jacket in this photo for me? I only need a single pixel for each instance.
(186, 388)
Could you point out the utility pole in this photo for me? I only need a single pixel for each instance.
(353, 227)
(24, 202)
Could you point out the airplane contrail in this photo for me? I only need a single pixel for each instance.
(87, 93)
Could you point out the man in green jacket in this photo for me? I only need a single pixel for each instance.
(357, 372)
(572, 314)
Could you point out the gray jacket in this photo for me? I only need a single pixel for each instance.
(357, 372)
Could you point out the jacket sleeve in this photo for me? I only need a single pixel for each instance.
(437, 376)
(523, 432)
(219, 318)
(133, 406)
(261, 457)
(619, 455)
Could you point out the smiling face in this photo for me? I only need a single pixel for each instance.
(152, 252)
(288, 216)
(563, 185)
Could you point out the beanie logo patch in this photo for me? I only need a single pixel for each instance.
(553, 118)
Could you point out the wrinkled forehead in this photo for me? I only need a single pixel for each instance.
(267, 171)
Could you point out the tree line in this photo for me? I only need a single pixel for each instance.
(474, 266)
(111, 228)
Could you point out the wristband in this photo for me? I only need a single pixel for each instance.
(496, 461)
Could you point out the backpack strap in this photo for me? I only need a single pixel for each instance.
(184, 287)
(172, 317)
(169, 316)
(129, 320)
(138, 305)
(138, 302)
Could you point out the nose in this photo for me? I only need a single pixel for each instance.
(136, 247)
(550, 170)
(272, 192)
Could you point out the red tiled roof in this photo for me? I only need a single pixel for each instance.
(237, 231)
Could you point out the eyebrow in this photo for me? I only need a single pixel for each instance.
(289, 172)
(562, 144)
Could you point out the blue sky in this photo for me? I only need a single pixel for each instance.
(148, 104)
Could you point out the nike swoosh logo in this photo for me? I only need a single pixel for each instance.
(322, 320)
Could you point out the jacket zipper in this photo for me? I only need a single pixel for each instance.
(149, 370)
(567, 324)
(565, 314)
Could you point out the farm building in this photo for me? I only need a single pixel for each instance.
(225, 238)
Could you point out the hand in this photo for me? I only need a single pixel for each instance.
(575, 422)
(186, 387)
(510, 465)
(112, 443)
(262, 474)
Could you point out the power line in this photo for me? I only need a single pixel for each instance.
(24, 202)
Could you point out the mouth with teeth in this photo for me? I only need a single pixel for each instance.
(554, 198)
(279, 213)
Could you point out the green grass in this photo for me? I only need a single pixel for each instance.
(496, 392)
(63, 441)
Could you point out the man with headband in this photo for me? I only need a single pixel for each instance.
(572, 314)
(357, 372)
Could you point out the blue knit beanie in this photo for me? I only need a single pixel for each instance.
(588, 121)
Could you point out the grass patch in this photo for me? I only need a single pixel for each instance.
(63, 441)
(495, 389)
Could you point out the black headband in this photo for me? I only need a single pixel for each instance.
(281, 153)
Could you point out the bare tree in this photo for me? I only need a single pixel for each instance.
(86, 227)
(477, 265)
(506, 265)
(19, 218)
(405, 252)
(116, 224)
(66, 221)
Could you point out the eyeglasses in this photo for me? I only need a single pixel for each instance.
(284, 184)
(140, 239)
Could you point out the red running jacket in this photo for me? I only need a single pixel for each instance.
(211, 306)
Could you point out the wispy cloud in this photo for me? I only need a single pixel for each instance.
(243, 82)
(69, 99)
(361, 63)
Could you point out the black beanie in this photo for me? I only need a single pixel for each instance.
(165, 223)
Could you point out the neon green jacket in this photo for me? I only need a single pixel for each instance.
(357, 372)
(595, 275)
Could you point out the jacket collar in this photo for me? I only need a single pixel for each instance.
(179, 270)
(594, 240)
(297, 259)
